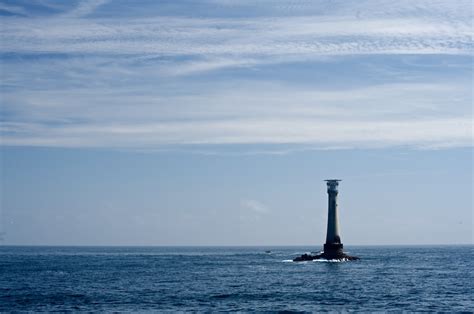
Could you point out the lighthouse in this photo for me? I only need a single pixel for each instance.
(332, 249)
(333, 246)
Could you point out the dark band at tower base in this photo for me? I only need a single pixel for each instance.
(331, 251)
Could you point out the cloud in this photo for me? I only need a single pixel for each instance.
(328, 34)
(84, 8)
(351, 134)
(12, 9)
(83, 80)
(418, 115)
(194, 45)
(255, 206)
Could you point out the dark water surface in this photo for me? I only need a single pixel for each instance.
(234, 278)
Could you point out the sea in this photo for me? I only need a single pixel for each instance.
(386, 278)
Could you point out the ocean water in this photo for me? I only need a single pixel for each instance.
(427, 278)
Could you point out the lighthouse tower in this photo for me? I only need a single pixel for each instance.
(333, 246)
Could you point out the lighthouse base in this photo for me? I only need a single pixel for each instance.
(332, 251)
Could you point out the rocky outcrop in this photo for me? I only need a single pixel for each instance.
(331, 252)
(340, 257)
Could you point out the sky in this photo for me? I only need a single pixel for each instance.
(215, 122)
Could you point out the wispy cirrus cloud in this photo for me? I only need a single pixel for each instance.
(87, 78)
(237, 37)
(243, 115)
(340, 29)
(12, 9)
(84, 8)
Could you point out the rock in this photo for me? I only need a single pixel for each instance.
(326, 256)
(306, 257)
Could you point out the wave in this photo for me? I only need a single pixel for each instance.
(323, 260)
(320, 260)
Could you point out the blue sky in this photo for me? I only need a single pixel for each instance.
(215, 122)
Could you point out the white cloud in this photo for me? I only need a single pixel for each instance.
(255, 206)
(276, 36)
(116, 91)
(436, 133)
(419, 115)
(84, 8)
(12, 9)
